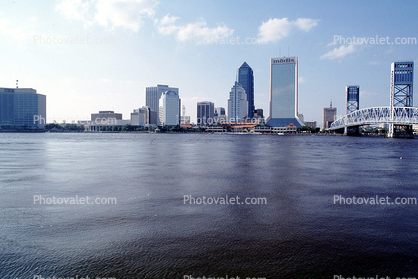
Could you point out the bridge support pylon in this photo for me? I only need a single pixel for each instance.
(352, 131)
(405, 131)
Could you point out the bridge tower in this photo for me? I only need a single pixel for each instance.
(351, 105)
(401, 89)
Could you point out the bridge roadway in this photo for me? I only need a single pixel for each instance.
(378, 115)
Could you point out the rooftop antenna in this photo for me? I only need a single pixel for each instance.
(17, 86)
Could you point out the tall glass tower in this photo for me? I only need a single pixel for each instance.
(246, 79)
(237, 104)
(284, 92)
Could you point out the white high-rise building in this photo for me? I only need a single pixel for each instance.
(237, 104)
(170, 105)
(284, 92)
(153, 95)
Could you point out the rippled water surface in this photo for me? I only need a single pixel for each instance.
(151, 233)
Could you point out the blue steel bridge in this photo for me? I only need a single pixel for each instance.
(378, 115)
(401, 112)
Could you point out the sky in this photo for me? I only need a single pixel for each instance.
(91, 55)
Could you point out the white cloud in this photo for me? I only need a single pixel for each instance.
(197, 30)
(124, 13)
(128, 14)
(168, 19)
(74, 9)
(279, 28)
(339, 52)
(14, 32)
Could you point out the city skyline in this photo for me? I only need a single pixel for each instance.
(87, 57)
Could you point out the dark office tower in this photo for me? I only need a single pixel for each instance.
(205, 113)
(246, 80)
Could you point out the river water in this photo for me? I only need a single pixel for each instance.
(148, 219)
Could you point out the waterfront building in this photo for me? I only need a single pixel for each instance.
(329, 116)
(258, 116)
(310, 124)
(22, 108)
(289, 129)
(246, 80)
(105, 117)
(184, 119)
(237, 104)
(220, 115)
(143, 116)
(205, 113)
(284, 92)
(153, 95)
(106, 120)
(170, 105)
(219, 111)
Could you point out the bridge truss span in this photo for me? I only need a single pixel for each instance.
(376, 116)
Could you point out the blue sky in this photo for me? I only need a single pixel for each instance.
(91, 55)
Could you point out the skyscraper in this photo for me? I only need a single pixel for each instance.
(205, 113)
(219, 111)
(153, 95)
(284, 92)
(170, 105)
(237, 104)
(143, 116)
(22, 107)
(329, 115)
(246, 80)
